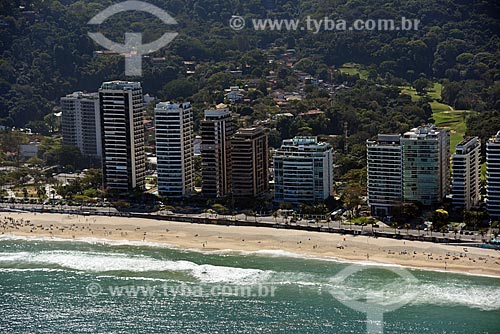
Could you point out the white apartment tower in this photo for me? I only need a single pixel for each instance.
(174, 149)
(493, 176)
(122, 128)
(303, 171)
(384, 175)
(81, 123)
(466, 174)
(426, 164)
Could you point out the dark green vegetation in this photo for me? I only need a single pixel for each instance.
(46, 53)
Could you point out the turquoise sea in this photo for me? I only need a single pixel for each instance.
(92, 286)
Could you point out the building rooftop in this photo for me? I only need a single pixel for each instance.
(249, 132)
(304, 143)
(218, 112)
(302, 140)
(466, 146)
(467, 140)
(496, 138)
(313, 112)
(170, 105)
(82, 95)
(386, 139)
(423, 132)
(221, 106)
(120, 85)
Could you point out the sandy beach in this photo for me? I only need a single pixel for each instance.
(416, 254)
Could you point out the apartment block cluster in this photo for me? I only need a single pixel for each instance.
(235, 162)
(415, 167)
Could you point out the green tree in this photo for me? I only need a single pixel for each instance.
(351, 198)
(439, 218)
(421, 85)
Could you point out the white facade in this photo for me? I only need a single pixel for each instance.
(234, 94)
(426, 165)
(122, 128)
(174, 149)
(81, 122)
(384, 174)
(466, 174)
(493, 176)
(303, 171)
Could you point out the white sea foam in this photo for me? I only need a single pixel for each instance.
(88, 240)
(48, 270)
(453, 293)
(263, 252)
(105, 262)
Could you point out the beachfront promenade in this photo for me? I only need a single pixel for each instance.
(256, 221)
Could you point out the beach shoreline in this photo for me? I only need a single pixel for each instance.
(344, 248)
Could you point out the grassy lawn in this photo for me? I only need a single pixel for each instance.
(433, 93)
(362, 220)
(452, 119)
(438, 107)
(353, 69)
(408, 90)
(443, 115)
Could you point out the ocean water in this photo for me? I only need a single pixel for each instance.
(92, 286)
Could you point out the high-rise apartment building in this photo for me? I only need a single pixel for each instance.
(216, 132)
(384, 174)
(303, 171)
(174, 149)
(426, 164)
(81, 123)
(250, 163)
(466, 174)
(493, 176)
(122, 128)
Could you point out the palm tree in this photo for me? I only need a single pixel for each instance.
(275, 215)
(328, 220)
(419, 227)
(407, 227)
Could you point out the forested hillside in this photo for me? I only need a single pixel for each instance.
(46, 53)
